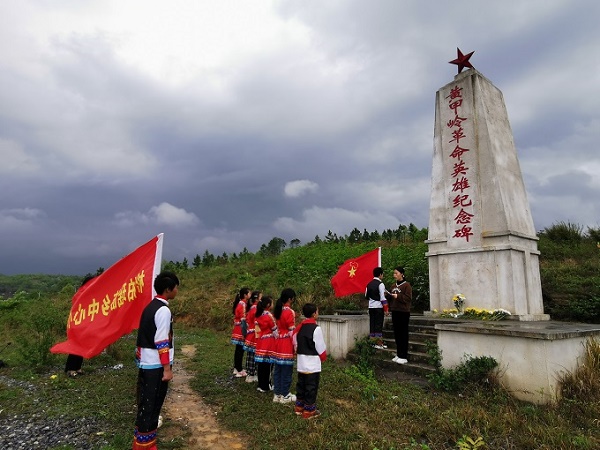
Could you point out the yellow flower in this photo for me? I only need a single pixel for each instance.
(53, 377)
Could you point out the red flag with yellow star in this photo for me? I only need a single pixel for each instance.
(352, 276)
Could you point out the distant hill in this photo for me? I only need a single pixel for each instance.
(39, 283)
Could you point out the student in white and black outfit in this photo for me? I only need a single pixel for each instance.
(311, 351)
(378, 306)
(154, 357)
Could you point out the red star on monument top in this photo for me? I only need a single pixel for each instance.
(462, 61)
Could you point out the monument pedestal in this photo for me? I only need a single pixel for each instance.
(532, 357)
(502, 273)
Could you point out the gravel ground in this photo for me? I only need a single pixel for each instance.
(37, 432)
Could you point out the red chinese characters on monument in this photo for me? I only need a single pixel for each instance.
(460, 170)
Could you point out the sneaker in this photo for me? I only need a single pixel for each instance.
(298, 410)
(240, 374)
(287, 398)
(160, 421)
(277, 398)
(378, 347)
(395, 359)
(251, 378)
(401, 361)
(311, 414)
(262, 391)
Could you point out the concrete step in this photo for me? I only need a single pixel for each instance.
(416, 365)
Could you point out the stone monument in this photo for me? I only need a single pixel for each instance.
(482, 242)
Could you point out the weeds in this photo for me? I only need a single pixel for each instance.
(584, 382)
(471, 371)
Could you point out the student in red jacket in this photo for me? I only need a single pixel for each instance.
(311, 351)
(237, 335)
(250, 339)
(265, 331)
(284, 347)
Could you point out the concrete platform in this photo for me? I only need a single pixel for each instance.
(340, 332)
(532, 356)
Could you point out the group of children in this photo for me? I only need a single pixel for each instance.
(272, 341)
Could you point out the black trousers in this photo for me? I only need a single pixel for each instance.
(376, 316)
(263, 371)
(74, 362)
(400, 321)
(238, 357)
(151, 393)
(307, 388)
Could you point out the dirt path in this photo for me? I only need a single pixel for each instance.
(186, 414)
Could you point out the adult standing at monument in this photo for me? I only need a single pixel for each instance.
(378, 306)
(400, 297)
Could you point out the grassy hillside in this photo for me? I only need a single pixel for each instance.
(33, 320)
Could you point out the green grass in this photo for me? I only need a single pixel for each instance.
(392, 416)
(358, 411)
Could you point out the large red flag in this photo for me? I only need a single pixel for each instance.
(352, 276)
(110, 305)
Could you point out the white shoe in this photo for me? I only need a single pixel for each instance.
(160, 421)
(378, 347)
(395, 359)
(401, 361)
(277, 398)
(240, 374)
(251, 378)
(287, 398)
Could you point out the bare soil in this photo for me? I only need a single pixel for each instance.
(188, 418)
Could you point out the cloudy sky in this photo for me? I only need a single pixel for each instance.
(226, 123)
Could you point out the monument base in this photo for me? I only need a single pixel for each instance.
(532, 356)
(496, 275)
(340, 332)
(529, 317)
(516, 317)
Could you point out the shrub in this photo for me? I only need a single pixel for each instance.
(564, 232)
(584, 383)
(593, 234)
(471, 371)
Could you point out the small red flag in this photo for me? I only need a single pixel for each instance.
(352, 276)
(110, 305)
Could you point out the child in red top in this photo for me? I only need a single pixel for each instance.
(265, 343)
(250, 341)
(238, 333)
(284, 347)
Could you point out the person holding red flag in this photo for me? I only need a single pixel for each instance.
(154, 357)
(378, 306)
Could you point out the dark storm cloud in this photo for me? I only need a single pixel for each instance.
(122, 120)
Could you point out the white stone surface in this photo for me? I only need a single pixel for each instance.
(532, 356)
(340, 332)
(497, 264)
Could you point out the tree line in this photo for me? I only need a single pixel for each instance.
(402, 234)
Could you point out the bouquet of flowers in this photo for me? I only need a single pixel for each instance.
(459, 302)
